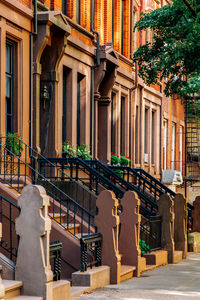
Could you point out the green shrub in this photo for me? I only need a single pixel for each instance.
(69, 149)
(14, 144)
(124, 161)
(144, 247)
(83, 152)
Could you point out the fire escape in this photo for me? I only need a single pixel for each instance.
(192, 139)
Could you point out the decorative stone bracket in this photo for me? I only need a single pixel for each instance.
(105, 74)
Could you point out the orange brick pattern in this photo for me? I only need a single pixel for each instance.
(27, 3)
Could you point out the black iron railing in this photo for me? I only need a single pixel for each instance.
(149, 185)
(150, 233)
(21, 167)
(98, 179)
(90, 251)
(55, 255)
(9, 241)
(146, 201)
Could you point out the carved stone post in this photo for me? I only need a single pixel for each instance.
(107, 222)
(33, 226)
(196, 215)
(180, 224)
(166, 211)
(130, 230)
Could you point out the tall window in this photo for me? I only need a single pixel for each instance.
(78, 110)
(64, 7)
(67, 84)
(122, 126)
(146, 126)
(113, 123)
(122, 28)
(165, 125)
(153, 137)
(173, 145)
(136, 135)
(181, 149)
(81, 98)
(9, 86)
(78, 11)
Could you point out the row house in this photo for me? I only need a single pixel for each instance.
(67, 75)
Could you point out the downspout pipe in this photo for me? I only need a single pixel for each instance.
(97, 63)
(31, 34)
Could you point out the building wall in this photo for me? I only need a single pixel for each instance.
(15, 26)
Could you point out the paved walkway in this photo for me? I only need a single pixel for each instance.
(180, 281)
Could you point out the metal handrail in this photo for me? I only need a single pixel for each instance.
(8, 212)
(108, 183)
(65, 202)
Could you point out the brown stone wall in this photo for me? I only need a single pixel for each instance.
(15, 25)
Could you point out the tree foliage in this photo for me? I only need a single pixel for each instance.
(174, 54)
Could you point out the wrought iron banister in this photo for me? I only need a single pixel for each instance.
(95, 180)
(55, 254)
(8, 213)
(146, 201)
(61, 202)
(90, 251)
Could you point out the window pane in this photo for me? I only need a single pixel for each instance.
(8, 59)
(8, 86)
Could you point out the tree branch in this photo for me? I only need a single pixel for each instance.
(191, 8)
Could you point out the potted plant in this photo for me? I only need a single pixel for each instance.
(69, 150)
(83, 152)
(14, 144)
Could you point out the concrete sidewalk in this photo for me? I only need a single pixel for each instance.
(180, 281)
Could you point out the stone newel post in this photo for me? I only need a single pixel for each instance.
(130, 231)
(180, 224)
(107, 222)
(166, 211)
(33, 226)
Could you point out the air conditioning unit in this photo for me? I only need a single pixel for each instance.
(172, 177)
(146, 158)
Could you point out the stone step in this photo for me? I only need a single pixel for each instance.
(17, 188)
(158, 258)
(61, 289)
(12, 288)
(178, 256)
(72, 228)
(79, 290)
(127, 272)
(142, 264)
(60, 218)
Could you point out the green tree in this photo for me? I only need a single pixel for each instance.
(174, 53)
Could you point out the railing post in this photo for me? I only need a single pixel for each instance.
(107, 222)
(166, 211)
(180, 224)
(33, 260)
(130, 230)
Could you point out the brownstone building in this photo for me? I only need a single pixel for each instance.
(83, 86)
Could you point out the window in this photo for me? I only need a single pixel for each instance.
(136, 135)
(181, 149)
(146, 126)
(153, 138)
(67, 84)
(64, 7)
(113, 123)
(173, 145)
(122, 126)
(78, 11)
(10, 86)
(81, 98)
(165, 125)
